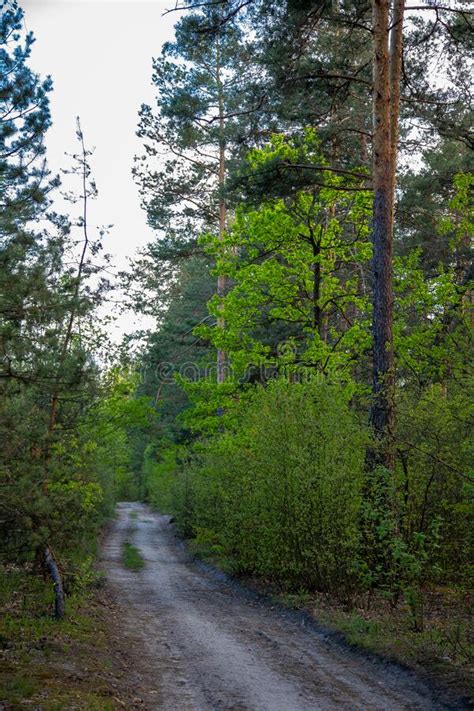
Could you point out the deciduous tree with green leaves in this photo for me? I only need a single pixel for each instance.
(298, 268)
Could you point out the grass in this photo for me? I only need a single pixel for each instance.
(131, 557)
(53, 665)
(19, 688)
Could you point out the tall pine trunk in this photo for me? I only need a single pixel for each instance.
(386, 99)
(221, 279)
(396, 57)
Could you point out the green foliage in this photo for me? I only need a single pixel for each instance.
(434, 478)
(270, 488)
(49, 665)
(55, 494)
(266, 472)
(295, 266)
(159, 475)
(198, 77)
(24, 107)
(460, 222)
(279, 494)
(117, 414)
(426, 220)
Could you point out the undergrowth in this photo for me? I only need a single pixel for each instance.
(42, 660)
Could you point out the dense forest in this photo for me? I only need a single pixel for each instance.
(302, 407)
(307, 172)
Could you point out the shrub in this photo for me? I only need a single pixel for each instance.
(282, 491)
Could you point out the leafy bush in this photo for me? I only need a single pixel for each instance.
(434, 478)
(280, 493)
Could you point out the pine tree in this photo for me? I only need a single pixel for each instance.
(47, 373)
(24, 119)
(193, 135)
(26, 256)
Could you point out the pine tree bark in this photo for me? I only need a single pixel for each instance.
(396, 57)
(221, 279)
(382, 412)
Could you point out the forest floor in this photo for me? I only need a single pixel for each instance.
(165, 631)
(88, 662)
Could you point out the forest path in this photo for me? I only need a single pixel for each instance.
(209, 645)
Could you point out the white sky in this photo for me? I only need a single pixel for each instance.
(99, 54)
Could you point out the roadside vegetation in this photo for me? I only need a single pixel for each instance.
(80, 663)
(441, 651)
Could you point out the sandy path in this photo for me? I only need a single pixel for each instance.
(209, 646)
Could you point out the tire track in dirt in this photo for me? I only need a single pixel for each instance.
(210, 646)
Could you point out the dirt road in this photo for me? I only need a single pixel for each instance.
(209, 645)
